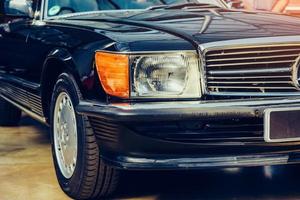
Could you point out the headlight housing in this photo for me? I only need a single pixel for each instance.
(165, 75)
(150, 75)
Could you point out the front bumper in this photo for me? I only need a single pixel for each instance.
(175, 135)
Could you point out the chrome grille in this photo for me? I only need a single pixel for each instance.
(253, 70)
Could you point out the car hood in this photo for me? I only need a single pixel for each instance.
(192, 26)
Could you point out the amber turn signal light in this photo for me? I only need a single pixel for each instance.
(113, 71)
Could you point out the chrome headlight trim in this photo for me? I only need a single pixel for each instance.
(192, 83)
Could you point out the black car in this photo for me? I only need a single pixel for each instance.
(151, 85)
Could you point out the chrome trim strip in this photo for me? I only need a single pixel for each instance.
(249, 71)
(241, 43)
(202, 64)
(250, 87)
(270, 94)
(245, 82)
(241, 77)
(27, 111)
(254, 52)
(186, 105)
(251, 58)
(42, 12)
(198, 163)
(250, 63)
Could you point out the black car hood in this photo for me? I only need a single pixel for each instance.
(195, 26)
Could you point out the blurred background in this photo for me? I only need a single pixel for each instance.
(291, 7)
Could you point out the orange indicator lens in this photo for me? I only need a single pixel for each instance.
(113, 71)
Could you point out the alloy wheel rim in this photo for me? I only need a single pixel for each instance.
(65, 135)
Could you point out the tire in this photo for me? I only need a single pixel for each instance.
(91, 177)
(9, 114)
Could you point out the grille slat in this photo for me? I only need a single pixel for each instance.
(254, 58)
(253, 87)
(265, 49)
(247, 53)
(247, 82)
(260, 69)
(249, 77)
(249, 71)
(250, 63)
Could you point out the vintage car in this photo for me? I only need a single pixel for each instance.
(151, 85)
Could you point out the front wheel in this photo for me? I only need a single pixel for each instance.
(80, 171)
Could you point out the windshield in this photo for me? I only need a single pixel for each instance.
(59, 7)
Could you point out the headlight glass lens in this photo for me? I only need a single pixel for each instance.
(166, 75)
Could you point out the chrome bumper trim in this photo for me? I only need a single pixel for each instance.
(130, 163)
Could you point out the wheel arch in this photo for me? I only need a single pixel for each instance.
(57, 62)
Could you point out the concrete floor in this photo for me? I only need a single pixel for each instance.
(26, 172)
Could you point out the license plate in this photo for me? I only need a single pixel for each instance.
(282, 125)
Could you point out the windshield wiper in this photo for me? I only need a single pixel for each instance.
(180, 6)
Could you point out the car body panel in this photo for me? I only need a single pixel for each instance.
(32, 50)
(134, 31)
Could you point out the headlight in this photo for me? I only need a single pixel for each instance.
(167, 75)
(151, 75)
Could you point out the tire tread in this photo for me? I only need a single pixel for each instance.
(98, 180)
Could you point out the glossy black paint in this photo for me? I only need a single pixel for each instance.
(28, 47)
(160, 136)
(33, 52)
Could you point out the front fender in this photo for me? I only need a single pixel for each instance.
(58, 61)
(80, 63)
